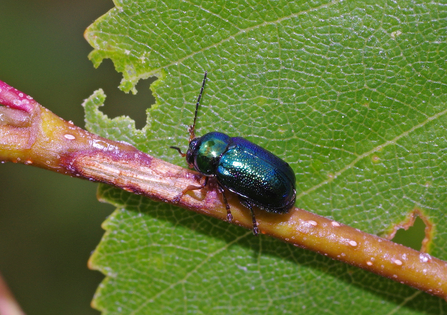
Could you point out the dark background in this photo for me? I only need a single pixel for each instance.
(50, 223)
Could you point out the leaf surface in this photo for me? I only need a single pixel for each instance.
(351, 94)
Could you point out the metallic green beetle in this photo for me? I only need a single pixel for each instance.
(256, 175)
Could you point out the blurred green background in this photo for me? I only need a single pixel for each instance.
(50, 223)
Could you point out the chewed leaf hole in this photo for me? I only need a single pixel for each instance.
(412, 237)
(415, 232)
(121, 104)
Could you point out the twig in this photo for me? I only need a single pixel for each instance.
(31, 134)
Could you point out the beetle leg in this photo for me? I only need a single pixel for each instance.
(189, 188)
(227, 206)
(249, 205)
(255, 224)
(179, 151)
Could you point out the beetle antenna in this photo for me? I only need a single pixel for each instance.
(193, 127)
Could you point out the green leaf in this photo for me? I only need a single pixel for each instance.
(352, 94)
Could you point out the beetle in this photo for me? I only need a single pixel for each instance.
(256, 175)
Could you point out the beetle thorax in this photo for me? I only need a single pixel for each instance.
(205, 152)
